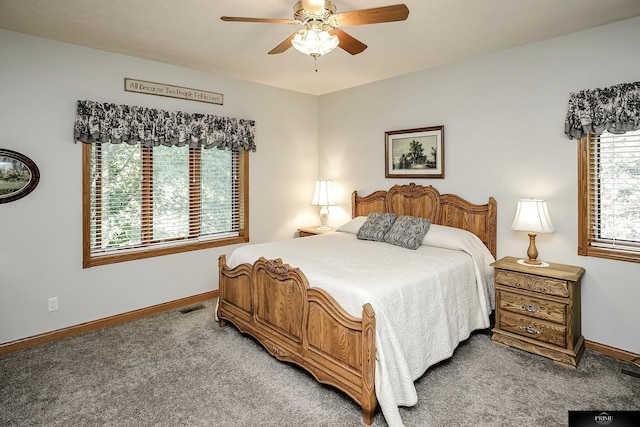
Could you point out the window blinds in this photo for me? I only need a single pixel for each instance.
(144, 197)
(614, 179)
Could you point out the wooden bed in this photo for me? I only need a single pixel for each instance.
(296, 323)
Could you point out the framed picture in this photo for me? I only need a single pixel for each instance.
(414, 153)
(19, 175)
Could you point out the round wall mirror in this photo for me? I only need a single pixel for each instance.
(19, 175)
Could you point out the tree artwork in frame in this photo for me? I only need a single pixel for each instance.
(414, 153)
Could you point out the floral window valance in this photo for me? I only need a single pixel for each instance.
(615, 109)
(112, 123)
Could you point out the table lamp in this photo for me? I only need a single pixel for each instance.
(532, 216)
(323, 197)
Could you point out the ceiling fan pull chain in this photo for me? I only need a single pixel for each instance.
(315, 63)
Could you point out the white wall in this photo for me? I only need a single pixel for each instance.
(504, 120)
(41, 234)
(503, 116)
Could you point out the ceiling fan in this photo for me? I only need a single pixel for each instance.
(321, 33)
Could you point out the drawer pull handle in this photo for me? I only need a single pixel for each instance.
(530, 329)
(530, 308)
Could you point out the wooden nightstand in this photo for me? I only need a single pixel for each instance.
(538, 309)
(312, 231)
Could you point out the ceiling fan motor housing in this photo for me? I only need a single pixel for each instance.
(302, 14)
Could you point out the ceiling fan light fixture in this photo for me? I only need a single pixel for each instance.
(314, 42)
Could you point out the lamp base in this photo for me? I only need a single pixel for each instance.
(532, 251)
(324, 218)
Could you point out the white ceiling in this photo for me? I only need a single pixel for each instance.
(190, 33)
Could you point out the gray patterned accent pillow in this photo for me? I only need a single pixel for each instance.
(376, 226)
(408, 232)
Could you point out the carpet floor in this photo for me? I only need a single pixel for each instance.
(181, 369)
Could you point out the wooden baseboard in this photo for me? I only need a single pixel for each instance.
(616, 353)
(82, 328)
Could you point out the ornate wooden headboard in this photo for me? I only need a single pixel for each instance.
(426, 202)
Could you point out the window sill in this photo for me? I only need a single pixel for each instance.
(112, 258)
(615, 254)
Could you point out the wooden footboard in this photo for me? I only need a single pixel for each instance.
(273, 302)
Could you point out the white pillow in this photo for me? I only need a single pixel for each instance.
(446, 237)
(353, 226)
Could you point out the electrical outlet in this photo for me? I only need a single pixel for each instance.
(53, 304)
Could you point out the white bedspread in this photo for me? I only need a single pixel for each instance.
(425, 301)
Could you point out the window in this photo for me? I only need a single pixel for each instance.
(140, 202)
(609, 196)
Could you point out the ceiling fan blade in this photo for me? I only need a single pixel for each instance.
(264, 20)
(348, 43)
(376, 15)
(282, 47)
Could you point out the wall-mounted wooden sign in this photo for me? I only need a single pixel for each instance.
(161, 89)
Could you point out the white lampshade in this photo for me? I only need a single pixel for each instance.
(323, 196)
(532, 215)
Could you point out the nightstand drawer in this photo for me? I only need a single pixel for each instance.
(533, 307)
(546, 285)
(530, 327)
